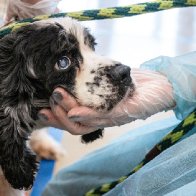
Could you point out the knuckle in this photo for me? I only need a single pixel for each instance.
(74, 132)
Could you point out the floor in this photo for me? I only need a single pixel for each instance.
(132, 41)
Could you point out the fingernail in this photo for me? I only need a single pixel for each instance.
(57, 96)
(42, 117)
(52, 102)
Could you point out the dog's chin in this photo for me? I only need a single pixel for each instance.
(99, 133)
(130, 91)
(108, 107)
(127, 95)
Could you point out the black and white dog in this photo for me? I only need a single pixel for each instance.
(34, 60)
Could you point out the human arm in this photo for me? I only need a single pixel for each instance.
(153, 93)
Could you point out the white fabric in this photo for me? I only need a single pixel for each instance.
(189, 188)
(21, 10)
(172, 169)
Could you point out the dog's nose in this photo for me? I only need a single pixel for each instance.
(120, 73)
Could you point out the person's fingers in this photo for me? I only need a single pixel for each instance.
(47, 118)
(98, 122)
(72, 127)
(82, 113)
(87, 116)
(64, 99)
(57, 116)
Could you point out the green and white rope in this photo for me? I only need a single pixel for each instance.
(106, 13)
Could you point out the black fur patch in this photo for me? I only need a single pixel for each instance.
(22, 93)
(117, 88)
(87, 138)
(89, 39)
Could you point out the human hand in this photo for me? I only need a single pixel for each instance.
(153, 93)
(20, 9)
(61, 103)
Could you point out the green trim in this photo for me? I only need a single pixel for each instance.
(106, 13)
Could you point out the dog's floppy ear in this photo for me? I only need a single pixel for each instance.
(17, 161)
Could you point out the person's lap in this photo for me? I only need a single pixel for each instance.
(173, 169)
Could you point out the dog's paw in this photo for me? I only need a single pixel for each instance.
(45, 146)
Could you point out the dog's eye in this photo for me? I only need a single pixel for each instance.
(63, 63)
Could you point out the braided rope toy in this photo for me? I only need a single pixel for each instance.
(105, 13)
(118, 12)
(170, 139)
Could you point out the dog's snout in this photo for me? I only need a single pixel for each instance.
(120, 73)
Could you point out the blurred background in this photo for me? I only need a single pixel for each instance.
(132, 41)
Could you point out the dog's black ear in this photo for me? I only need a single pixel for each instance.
(17, 161)
(90, 137)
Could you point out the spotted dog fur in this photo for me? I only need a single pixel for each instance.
(28, 76)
